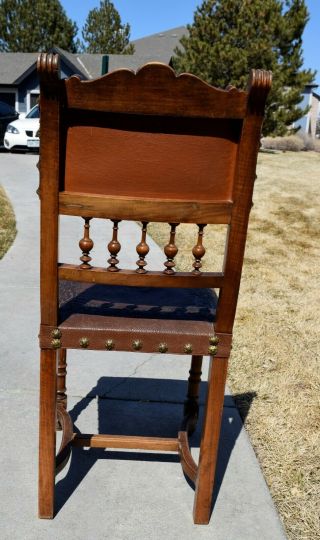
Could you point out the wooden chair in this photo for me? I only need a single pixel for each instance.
(149, 146)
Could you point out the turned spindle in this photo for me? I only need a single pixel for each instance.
(114, 247)
(198, 251)
(86, 245)
(61, 378)
(61, 381)
(142, 249)
(171, 250)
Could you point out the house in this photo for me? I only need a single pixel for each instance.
(311, 99)
(19, 86)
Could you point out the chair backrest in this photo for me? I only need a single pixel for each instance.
(149, 146)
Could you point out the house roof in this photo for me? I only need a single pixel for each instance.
(134, 61)
(156, 47)
(73, 61)
(161, 45)
(91, 63)
(13, 66)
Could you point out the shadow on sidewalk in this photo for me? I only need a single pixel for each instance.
(158, 413)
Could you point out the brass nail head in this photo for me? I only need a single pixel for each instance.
(56, 343)
(109, 344)
(84, 342)
(214, 340)
(56, 333)
(163, 347)
(137, 344)
(188, 348)
(212, 350)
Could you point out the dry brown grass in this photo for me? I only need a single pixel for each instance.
(7, 223)
(276, 337)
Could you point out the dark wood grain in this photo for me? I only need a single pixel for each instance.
(188, 464)
(152, 278)
(191, 405)
(144, 209)
(145, 147)
(242, 196)
(210, 440)
(126, 441)
(61, 378)
(49, 169)
(64, 451)
(155, 90)
(47, 433)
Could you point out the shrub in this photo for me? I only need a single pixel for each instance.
(309, 142)
(292, 143)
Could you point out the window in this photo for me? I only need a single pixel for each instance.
(34, 98)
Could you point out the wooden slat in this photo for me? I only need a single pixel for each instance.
(210, 439)
(132, 278)
(47, 433)
(155, 84)
(242, 195)
(49, 182)
(137, 209)
(64, 452)
(126, 441)
(188, 464)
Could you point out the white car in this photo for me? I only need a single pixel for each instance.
(24, 132)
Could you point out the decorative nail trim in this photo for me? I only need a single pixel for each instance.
(109, 344)
(187, 348)
(163, 347)
(137, 344)
(84, 342)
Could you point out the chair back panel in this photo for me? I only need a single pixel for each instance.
(152, 157)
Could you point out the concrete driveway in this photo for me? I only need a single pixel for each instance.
(107, 494)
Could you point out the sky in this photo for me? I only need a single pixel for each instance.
(149, 17)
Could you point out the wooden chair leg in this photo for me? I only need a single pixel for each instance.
(47, 432)
(191, 406)
(61, 381)
(210, 440)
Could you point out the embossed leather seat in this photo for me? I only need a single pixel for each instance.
(143, 147)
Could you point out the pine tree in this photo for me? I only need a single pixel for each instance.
(35, 25)
(230, 37)
(104, 32)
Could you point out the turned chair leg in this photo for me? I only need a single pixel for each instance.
(47, 432)
(191, 405)
(61, 381)
(210, 440)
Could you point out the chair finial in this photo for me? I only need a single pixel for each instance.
(259, 87)
(48, 66)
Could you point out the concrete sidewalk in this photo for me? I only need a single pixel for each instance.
(107, 494)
